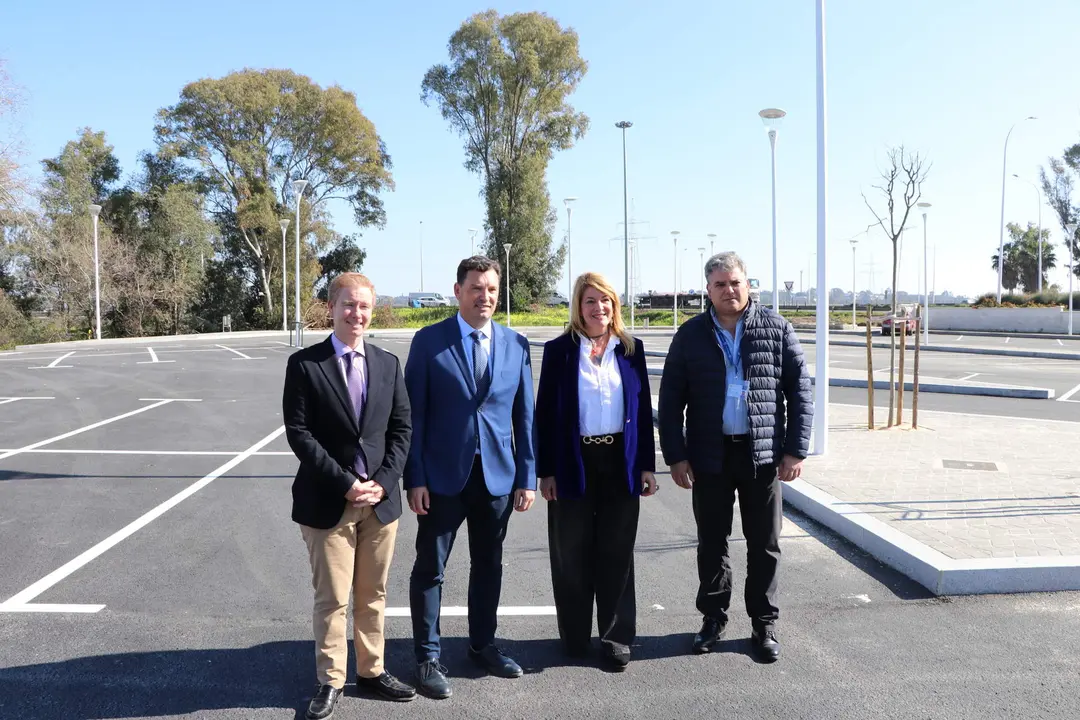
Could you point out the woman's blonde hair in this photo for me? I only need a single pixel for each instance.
(577, 322)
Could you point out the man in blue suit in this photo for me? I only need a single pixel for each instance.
(470, 387)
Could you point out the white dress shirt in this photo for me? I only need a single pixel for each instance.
(340, 350)
(600, 397)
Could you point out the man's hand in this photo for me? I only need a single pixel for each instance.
(790, 468)
(547, 488)
(523, 499)
(364, 493)
(682, 474)
(419, 500)
(648, 482)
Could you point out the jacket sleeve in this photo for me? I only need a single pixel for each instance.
(416, 385)
(799, 394)
(547, 395)
(308, 450)
(646, 446)
(524, 460)
(672, 404)
(398, 436)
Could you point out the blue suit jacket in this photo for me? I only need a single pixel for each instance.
(448, 415)
(558, 425)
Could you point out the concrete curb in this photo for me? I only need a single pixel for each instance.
(960, 350)
(935, 571)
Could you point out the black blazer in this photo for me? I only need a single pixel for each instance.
(557, 427)
(322, 430)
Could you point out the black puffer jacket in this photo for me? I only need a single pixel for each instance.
(780, 398)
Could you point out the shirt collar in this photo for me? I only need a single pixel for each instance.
(716, 320)
(586, 343)
(341, 348)
(467, 329)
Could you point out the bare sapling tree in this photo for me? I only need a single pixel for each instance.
(900, 188)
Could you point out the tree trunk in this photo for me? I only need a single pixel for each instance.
(892, 339)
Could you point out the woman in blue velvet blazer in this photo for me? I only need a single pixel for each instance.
(595, 456)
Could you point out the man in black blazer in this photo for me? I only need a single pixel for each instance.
(347, 418)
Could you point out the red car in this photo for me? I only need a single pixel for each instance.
(899, 321)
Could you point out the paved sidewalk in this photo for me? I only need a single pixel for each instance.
(963, 493)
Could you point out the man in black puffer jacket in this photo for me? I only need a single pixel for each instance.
(738, 374)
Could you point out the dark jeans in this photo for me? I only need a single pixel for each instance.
(761, 508)
(591, 542)
(487, 517)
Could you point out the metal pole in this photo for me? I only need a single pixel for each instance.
(626, 226)
(284, 278)
(298, 188)
(1001, 224)
(421, 256)
(776, 287)
(854, 291)
(569, 266)
(821, 386)
(675, 279)
(97, 284)
(925, 319)
(507, 247)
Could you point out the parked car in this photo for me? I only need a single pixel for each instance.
(896, 323)
(557, 300)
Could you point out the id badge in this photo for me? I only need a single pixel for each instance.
(736, 390)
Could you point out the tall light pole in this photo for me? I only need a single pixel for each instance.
(472, 250)
(821, 357)
(569, 264)
(506, 247)
(771, 117)
(421, 256)
(701, 266)
(854, 283)
(1038, 194)
(623, 125)
(298, 190)
(675, 280)
(95, 210)
(1070, 240)
(712, 243)
(926, 278)
(1001, 224)
(284, 224)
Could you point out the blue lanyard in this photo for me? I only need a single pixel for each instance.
(731, 353)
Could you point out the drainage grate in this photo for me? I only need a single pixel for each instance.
(968, 465)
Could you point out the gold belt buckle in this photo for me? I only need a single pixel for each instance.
(599, 440)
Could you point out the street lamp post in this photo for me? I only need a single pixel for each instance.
(472, 250)
(712, 243)
(623, 125)
(1001, 224)
(1038, 194)
(568, 202)
(421, 256)
(675, 279)
(854, 283)
(506, 247)
(771, 117)
(821, 337)
(926, 278)
(1070, 240)
(298, 190)
(701, 264)
(95, 210)
(284, 224)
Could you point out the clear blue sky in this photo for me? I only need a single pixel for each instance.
(947, 79)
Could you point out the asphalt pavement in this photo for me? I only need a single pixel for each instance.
(207, 603)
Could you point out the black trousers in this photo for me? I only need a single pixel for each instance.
(761, 508)
(487, 517)
(591, 542)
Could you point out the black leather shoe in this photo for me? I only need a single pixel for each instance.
(387, 686)
(491, 659)
(766, 648)
(711, 632)
(322, 705)
(616, 657)
(431, 680)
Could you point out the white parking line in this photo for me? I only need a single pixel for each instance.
(183, 453)
(21, 599)
(959, 339)
(242, 355)
(98, 424)
(968, 377)
(55, 363)
(1060, 343)
(11, 352)
(1007, 340)
(153, 358)
(6, 400)
(50, 608)
(1069, 394)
